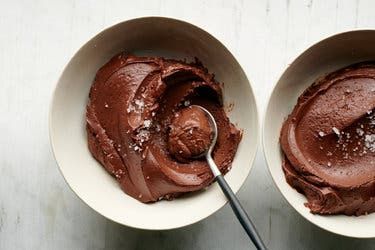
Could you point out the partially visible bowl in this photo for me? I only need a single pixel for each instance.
(156, 36)
(324, 57)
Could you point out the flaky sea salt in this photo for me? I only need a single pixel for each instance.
(143, 136)
(359, 131)
(186, 103)
(147, 123)
(336, 130)
(370, 142)
(321, 133)
(157, 129)
(139, 103)
(130, 108)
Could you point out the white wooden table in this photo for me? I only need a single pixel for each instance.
(37, 38)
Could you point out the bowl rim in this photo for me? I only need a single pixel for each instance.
(266, 152)
(169, 19)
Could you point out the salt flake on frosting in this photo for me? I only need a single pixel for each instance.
(147, 123)
(336, 130)
(360, 131)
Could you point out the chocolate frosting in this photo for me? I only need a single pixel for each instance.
(329, 142)
(190, 134)
(134, 133)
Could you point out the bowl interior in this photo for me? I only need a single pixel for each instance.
(157, 37)
(324, 57)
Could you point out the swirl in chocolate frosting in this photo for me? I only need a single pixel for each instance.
(141, 129)
(329, 142)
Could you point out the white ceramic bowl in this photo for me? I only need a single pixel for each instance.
(155, 36)
(324, 57)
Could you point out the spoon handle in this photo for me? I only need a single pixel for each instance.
(240, 213)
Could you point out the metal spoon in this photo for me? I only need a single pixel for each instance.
(233, 201)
